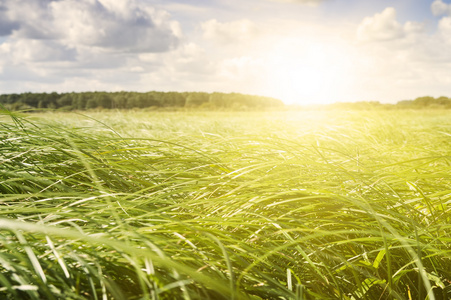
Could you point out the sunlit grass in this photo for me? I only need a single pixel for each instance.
(226, 205)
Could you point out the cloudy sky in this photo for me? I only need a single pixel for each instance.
(300, 51)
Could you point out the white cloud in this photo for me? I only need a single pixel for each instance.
(189, 59)
(444, 36)
(444, 27)
(306, 2)
(85, 44)
(31, 18)
(19, 51)
(6, 24)
(438, 7)
(403, 60)
(240, 67)
(127, 26)
(382, 27)
(228, 32)
(98, 58)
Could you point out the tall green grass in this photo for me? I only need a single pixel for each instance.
(226, 206)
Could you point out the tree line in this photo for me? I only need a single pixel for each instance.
(425, 102)
(133, 100)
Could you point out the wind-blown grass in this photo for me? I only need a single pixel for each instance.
(226, 206)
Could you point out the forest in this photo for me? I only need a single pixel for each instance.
(134, 100)
(209, 101)
(427, 102)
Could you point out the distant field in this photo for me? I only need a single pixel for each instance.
(222, 205)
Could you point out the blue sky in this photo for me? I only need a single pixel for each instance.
(300, 51)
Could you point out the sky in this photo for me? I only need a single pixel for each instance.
(299, 51)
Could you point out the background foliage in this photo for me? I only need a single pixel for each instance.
(132, 100)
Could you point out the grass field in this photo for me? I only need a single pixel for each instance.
(210, 205)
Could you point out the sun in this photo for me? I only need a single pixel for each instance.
(309, 73)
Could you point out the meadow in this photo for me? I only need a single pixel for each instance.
(222, 205)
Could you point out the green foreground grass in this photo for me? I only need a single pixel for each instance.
(333, 205)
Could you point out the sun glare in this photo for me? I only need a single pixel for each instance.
(311, 73)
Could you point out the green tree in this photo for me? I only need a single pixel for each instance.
(196, 99)
(65, 101)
